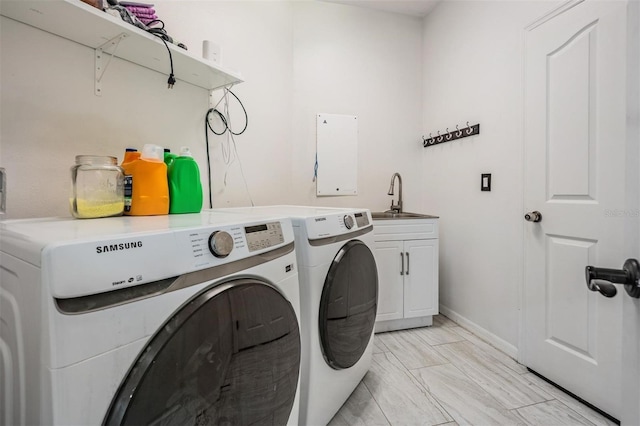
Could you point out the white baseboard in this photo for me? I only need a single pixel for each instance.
(482, 333)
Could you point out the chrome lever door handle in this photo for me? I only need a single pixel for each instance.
(402, 263)
(602, 280)
(534, 216)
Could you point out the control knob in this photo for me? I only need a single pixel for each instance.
(348, 221)
(220, 243)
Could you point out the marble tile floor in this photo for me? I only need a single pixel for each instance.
(445, 375)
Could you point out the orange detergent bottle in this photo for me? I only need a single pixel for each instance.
(130, 154)
(146, 190)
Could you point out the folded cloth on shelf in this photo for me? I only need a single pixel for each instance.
(133, 3)
(126, 16)
(138, 9)
(147, 21)
(145, 15)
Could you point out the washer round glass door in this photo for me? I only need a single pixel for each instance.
(230, 355)
(348, 305)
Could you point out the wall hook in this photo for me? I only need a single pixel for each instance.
(468, 129)
(458, 133)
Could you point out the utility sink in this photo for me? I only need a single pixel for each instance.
(403, 215)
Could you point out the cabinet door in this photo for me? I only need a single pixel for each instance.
(421, 278)
(389, 255)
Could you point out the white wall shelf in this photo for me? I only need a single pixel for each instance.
(84, 24)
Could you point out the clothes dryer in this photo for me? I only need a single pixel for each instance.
(164, 320)
(338, 302)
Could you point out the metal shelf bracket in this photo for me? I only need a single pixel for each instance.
(213, 104)
(107, 49)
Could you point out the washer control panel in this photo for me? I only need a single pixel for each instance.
(235, 242)
(220, 243)
(263, 236)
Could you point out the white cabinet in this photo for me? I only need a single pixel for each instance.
(406, 253)
(389, 260)
(421, 278)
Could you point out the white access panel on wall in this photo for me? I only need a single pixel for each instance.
(337, 154)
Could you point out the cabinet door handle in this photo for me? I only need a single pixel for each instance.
(407, 263)
(402, 263)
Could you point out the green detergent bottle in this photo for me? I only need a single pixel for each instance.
(185, 188)
(168, 157)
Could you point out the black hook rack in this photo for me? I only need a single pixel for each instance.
(451, 136)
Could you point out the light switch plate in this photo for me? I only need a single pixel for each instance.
(485, 183)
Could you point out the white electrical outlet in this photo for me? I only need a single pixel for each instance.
(211, 52)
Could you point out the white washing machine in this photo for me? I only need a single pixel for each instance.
(338, 302)
(165, 320)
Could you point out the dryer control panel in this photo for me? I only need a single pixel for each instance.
(362, 219)
(336, 224)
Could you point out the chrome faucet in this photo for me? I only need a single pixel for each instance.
(396, 207)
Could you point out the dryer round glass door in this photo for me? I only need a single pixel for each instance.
(230, 355)
(348, 305)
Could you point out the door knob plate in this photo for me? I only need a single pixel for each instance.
(534, 216)
(633, 289)
(602, 280)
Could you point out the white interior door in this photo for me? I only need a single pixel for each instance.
(631, 307)
(575, 145)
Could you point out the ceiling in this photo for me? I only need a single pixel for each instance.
(418, 8)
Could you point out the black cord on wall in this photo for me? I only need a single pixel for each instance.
(227, 127)
(162, 35)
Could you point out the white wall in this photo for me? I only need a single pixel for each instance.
(297, 59)
(472, 62)
(256, 40)
(354, 61)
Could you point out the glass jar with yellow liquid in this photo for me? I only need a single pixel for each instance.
(97, 187)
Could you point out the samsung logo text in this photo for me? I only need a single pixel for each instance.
(117, 247)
